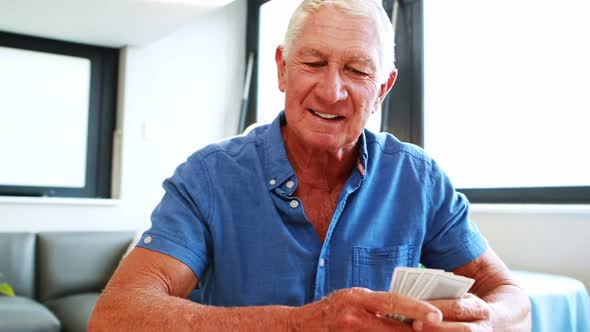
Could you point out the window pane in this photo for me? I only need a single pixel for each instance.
(274, 18)
(506, 85)
(43, 118)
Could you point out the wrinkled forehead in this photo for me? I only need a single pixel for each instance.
(329, 31)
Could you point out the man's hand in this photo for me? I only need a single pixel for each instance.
(495, 303)
(357, 309)
(468, 313)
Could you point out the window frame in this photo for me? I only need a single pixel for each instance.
(104, 68)
(403, 108)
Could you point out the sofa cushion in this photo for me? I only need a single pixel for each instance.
(17, 262)
(74, 311)
(77, 262)
(23, 314)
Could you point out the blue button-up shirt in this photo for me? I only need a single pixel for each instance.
(230, 214)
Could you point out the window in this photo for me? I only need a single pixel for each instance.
(494, 91)
(57, 116)
(274, 18)
(505, 105)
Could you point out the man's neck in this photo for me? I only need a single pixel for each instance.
(321, 168)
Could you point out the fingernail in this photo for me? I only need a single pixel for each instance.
(433, 317)
(417, 325)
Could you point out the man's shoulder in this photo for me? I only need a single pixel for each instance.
(386, 143)
(234, 147)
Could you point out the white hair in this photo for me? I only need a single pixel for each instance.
(369, 9)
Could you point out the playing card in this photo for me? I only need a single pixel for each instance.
(445, 286)
(425, 277)
(398, 276)
(427, 284)
(412, 274)
(416, 282)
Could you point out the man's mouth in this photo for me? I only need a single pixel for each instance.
(325, 115)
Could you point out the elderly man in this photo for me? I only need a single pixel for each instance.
(299, 224)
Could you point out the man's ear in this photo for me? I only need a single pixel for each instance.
(385, 87)
(280, 67)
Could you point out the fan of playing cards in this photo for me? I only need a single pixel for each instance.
(428, 284)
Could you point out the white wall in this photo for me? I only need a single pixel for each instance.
(552, 239)
(185, 90)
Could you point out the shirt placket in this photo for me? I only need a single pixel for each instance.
(323, 264)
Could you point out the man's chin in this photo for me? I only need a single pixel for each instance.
(324, 141)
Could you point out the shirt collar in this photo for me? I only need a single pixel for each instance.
(277, 166)
(363, 154)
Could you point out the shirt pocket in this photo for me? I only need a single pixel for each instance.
(373, 267)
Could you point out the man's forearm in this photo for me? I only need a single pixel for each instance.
(510, 308)
(143, 310)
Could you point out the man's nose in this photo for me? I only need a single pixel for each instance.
(331, 88)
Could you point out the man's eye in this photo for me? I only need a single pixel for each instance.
(357, 72)
(314, 64)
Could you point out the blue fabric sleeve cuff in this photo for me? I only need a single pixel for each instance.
(167, 245)
(471, 249)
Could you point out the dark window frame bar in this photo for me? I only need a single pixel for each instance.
(532, 195)
(104, 67)
(403, 108)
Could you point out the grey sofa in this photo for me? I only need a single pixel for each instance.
(57, 277)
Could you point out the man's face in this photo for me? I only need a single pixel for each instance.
(330, 79)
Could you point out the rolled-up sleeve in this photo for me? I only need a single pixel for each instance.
(179, 223)
(452, 240)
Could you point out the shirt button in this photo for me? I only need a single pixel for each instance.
(322, 262)
(294, 204)
(147, 239)
(290, 184)
(272, 182)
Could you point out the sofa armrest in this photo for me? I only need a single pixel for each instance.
(77, 262)
(17, 262)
